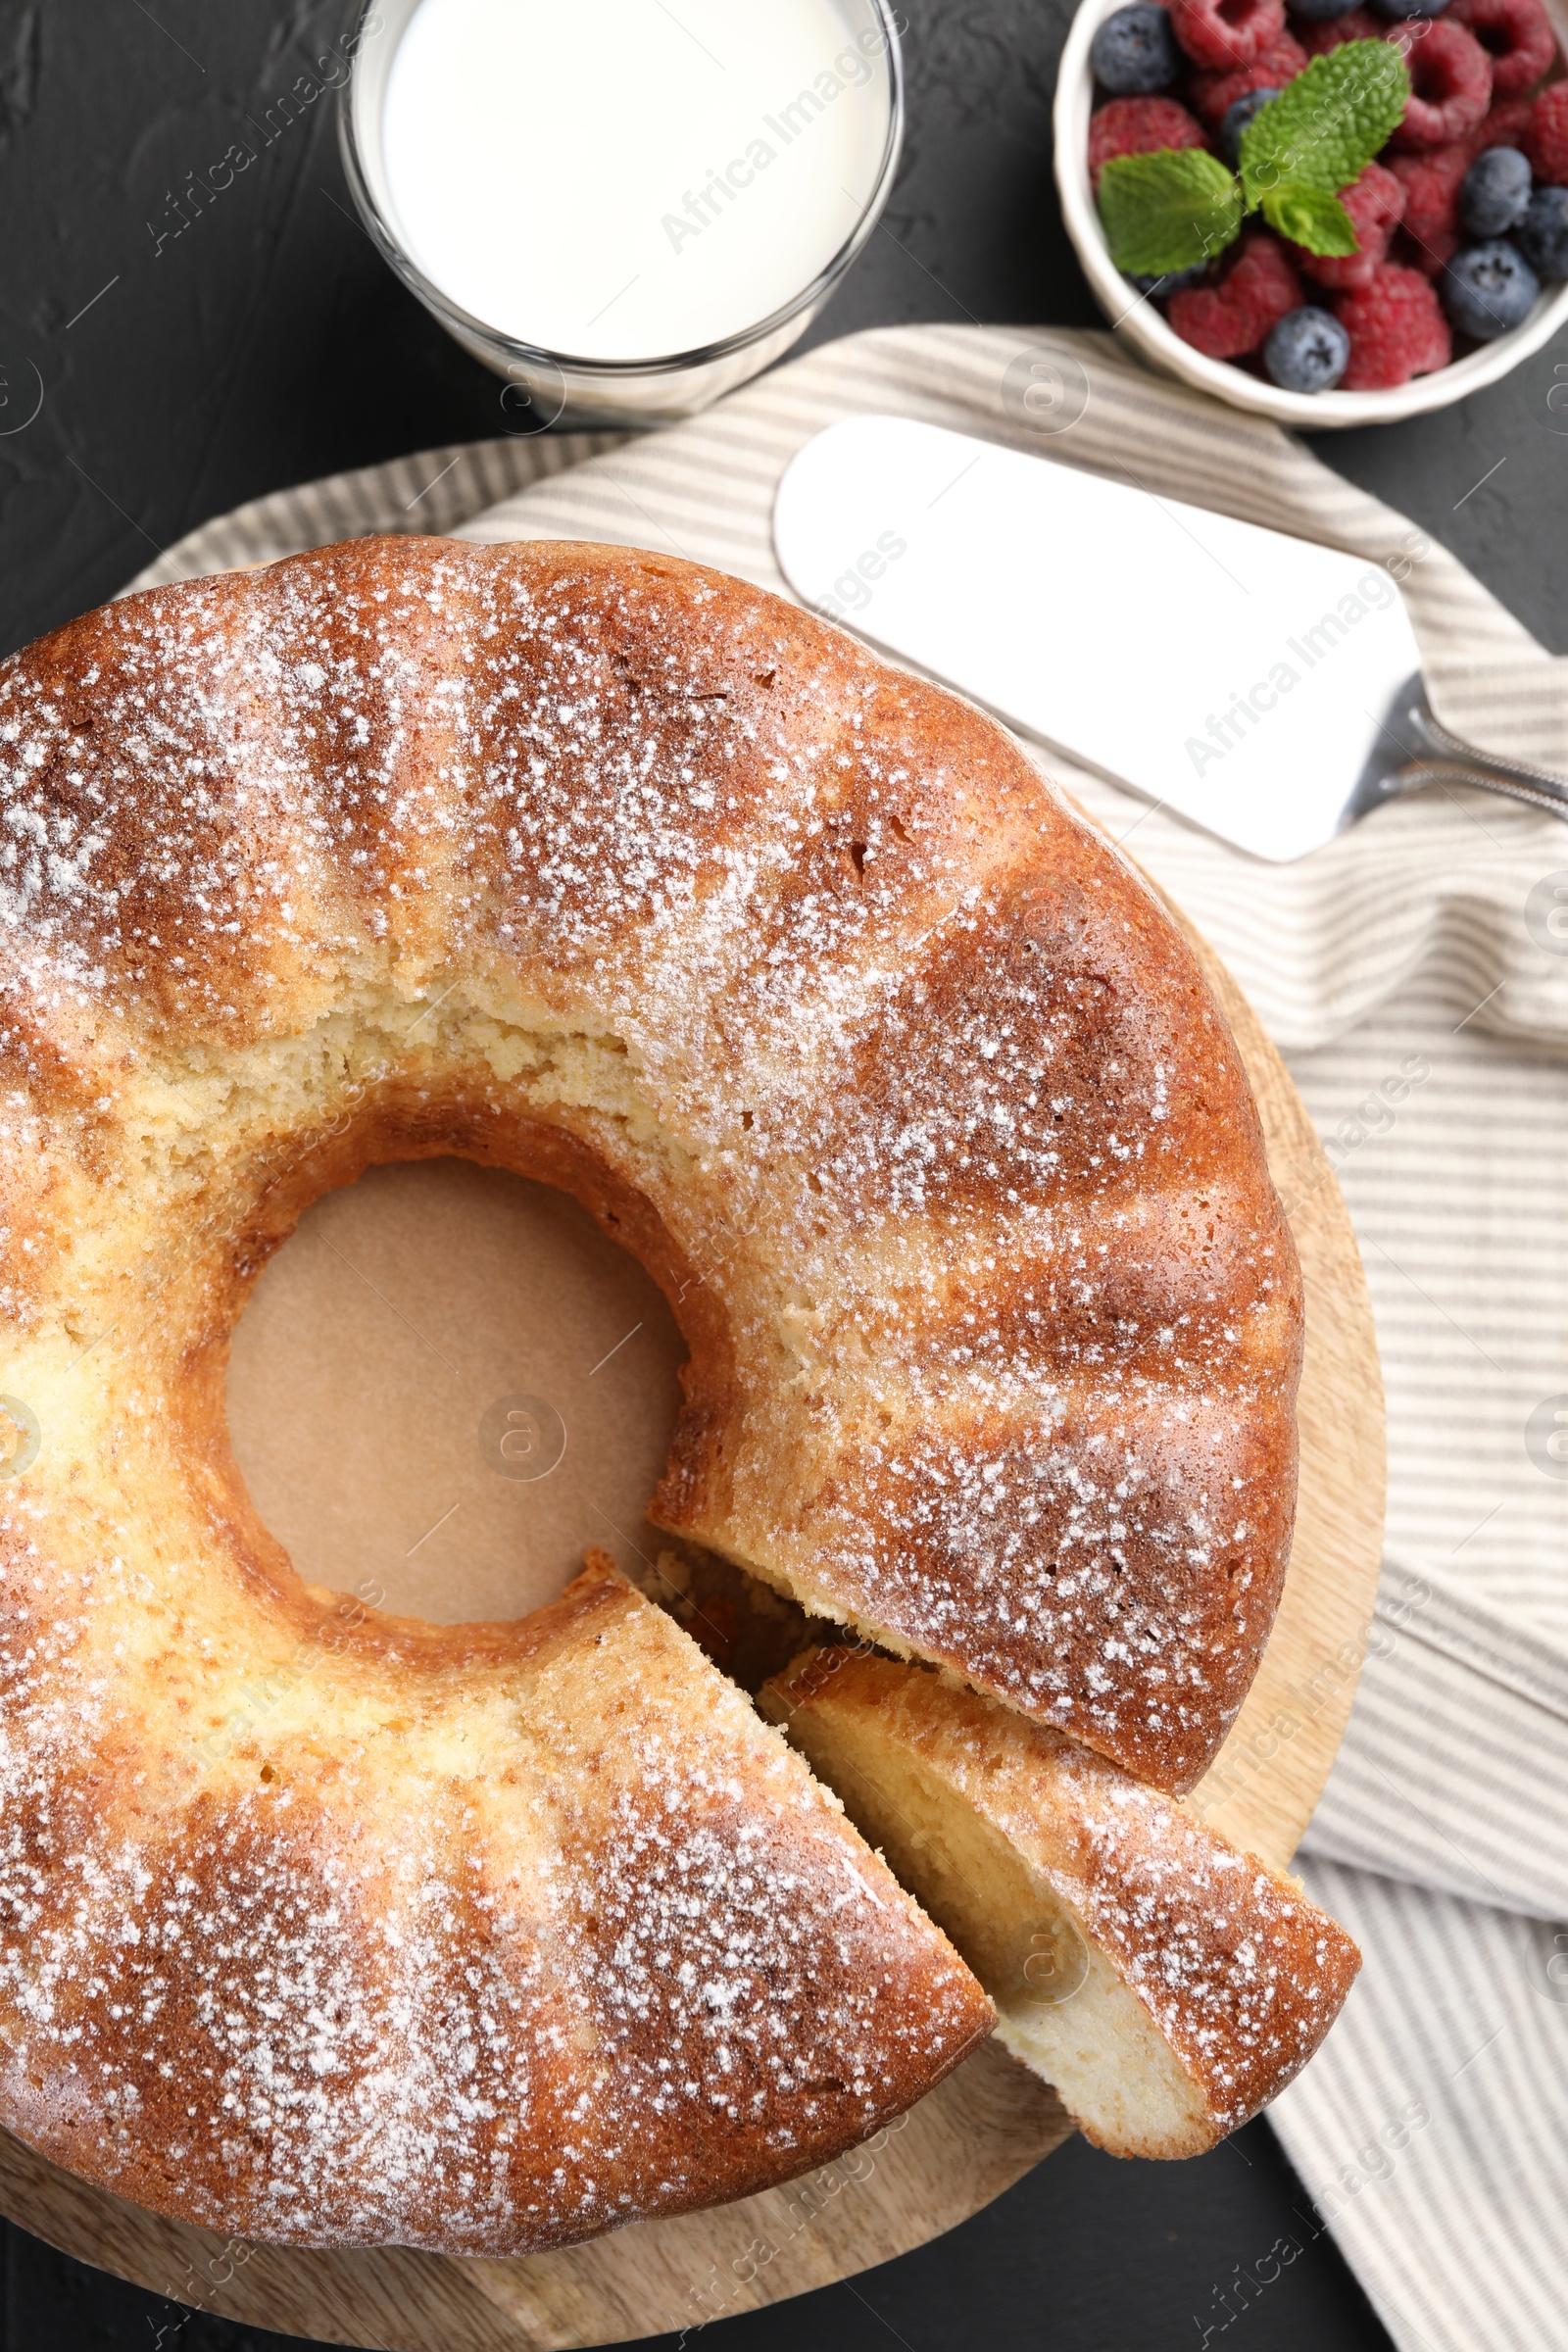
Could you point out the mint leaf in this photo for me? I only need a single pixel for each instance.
(1310, 216)
(1326, 126)
(1167, 210)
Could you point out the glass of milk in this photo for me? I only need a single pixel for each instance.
(627, 207)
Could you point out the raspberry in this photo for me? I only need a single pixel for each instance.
(1450, 82)
(1215, 94)
(1396, 330)
(1358, 26)
(1547, 138)
(1517, 36)
(1376, 205)
(1432, 180)
(1228, 320)
(1226, 32)
(1504, 126)
(1139, 126)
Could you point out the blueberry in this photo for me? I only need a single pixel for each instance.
(1236, 118)
(1134, 51)
(1323, 11)
(1172, 282)
(1544, 232)
(1489, 288)
(1306, 351)
(1495, 192)
(1398, 10)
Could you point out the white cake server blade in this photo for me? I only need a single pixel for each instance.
(1264, 687)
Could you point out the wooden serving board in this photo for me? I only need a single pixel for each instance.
(990, 2122)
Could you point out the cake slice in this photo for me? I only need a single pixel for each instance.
(1165, 1984)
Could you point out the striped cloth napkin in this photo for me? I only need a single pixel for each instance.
(1416, 974)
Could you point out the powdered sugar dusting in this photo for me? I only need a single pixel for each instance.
(597, 863)
(1244, 1974)
(1241, 1972)
(336, 2008)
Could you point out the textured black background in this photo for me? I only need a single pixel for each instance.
(264, 345)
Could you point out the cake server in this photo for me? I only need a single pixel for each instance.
(1265, 688)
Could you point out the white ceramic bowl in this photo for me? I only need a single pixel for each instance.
(1145, 328)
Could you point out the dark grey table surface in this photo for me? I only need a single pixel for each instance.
(150, 380)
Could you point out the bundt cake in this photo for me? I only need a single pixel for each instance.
(479, 1939)
(607, 870)
(1165, 1984)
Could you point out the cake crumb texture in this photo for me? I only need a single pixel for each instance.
(600, 866)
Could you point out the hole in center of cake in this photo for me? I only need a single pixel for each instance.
(446, 1386)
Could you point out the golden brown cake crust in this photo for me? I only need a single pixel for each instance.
(478, 1955)
(930, 1124)
(1242, 1975)
(597, 866)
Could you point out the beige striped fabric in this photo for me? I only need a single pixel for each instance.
(435, 492)
(1432, 2131)
(1415, 972)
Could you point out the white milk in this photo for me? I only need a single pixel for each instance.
(615, 179)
